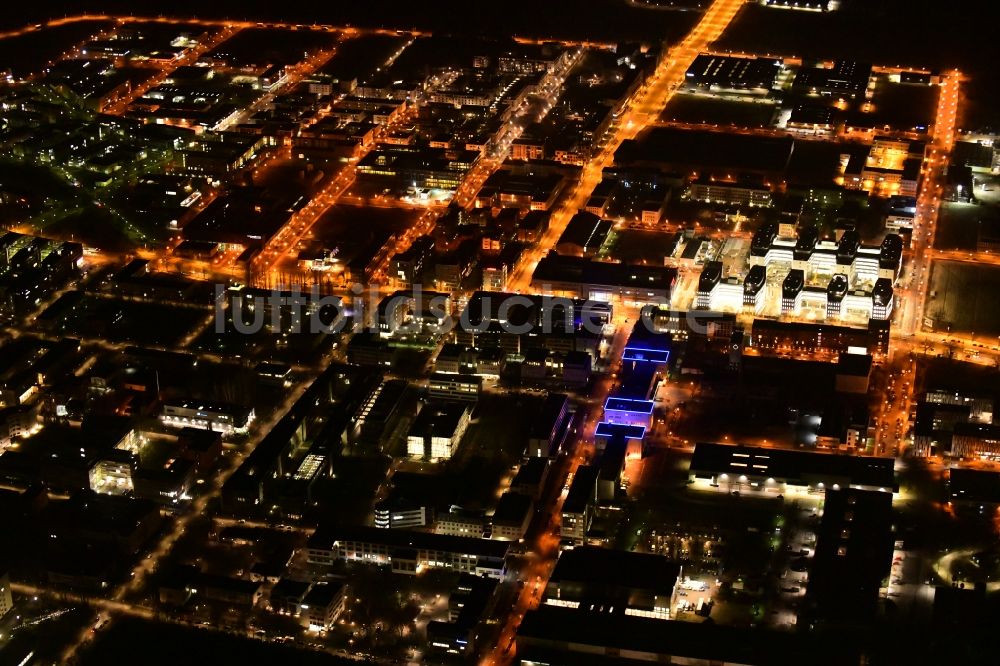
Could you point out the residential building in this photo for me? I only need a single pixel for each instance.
(323, 605)
(512, 516)
(579, 506)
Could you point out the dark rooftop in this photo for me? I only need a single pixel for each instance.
(582, 632)
(582, 490)
(974, 485)
(512, 509)
(555, 268)
(595, 567)
(794, 465)
(711, 151)
(853, 554)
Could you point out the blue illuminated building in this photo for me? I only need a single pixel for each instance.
(645, 346)
(608, 431)
(643, 355)
(627, 411)
(640, 383)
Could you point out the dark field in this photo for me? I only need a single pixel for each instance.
(351, 222)
(31, 52)
(599, 20)
(708, 110)
(958, 227)
(117, 320)
(966, 298)
(633, 246)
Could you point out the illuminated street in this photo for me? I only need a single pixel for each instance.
(639, 331)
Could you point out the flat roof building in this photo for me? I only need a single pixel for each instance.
(468, 605)
(626, 411)
(438, 430)
(584, 235)
(220, 417)
(553, 636)
(773, 471)
(512, 516)
(465, 388)
(602, 281)
(797, 337)
(323, 605)
(548, 429)
(530, 478)
(974, 486)
(697, 323)
(407, 552)
(976, 440)
(733, 73)
(853, 555)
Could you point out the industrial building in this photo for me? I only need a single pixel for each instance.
(844, 78)
(753, 469)
(602, 281)
(579, 505)
(719, 72)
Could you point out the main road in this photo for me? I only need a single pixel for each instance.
(910, 319)
(642, 112)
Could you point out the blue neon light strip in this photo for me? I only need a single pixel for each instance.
(605, 429)
(613, 404)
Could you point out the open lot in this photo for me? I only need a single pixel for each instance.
(634, 247)
(118, 320)
(353, 234)
(965, 299)
(684, 108)
(905, 107)
(353, 224)
(958, 228)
